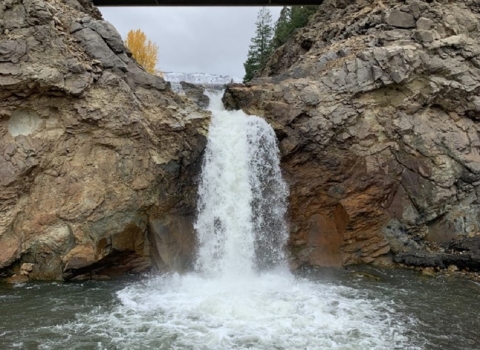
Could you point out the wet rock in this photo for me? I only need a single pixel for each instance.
(466, 245)
(420, 259)
(452, 268)
(429, 272)
(440, 260)
(17, 279)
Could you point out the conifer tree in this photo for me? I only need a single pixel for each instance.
(282, 27)
(291, 18)
(261, 47)
(301, 15)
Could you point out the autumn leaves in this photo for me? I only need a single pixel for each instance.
(143, 50)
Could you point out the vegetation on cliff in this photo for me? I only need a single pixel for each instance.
(143, 50)
(261, 47)
(291, 18)
(267, 37)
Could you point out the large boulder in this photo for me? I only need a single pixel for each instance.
(376, 108)
(95, 153)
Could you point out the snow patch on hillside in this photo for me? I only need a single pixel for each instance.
(200, 78)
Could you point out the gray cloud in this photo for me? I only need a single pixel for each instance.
(193, 39)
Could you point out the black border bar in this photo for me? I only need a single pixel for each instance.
(205, 2)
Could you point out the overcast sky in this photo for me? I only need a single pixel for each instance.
(193, 39)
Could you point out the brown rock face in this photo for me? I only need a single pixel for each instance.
(376, 110)
(95, 153)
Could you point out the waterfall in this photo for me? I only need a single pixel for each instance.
(242, 197)
(242, 296)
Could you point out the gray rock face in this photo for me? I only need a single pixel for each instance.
(378, 129)
(108, 33)
(424, 36)
(95, 153)
(97, 47)
(400, 19)
(12, 50)
(196, 94)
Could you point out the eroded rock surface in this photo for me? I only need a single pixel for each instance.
(196, 93)
(376, 108)
(98, 158)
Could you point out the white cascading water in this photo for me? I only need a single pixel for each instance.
(241, 296)
(242, 196)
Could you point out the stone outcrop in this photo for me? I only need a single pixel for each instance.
(196, 93)
(462, 253)
(376, 108)
(98, 158)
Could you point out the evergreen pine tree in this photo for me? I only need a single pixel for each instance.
(282, 27)
(261, 47)
(301, 15)
(290, 19)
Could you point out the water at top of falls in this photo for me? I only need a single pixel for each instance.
(242, 197)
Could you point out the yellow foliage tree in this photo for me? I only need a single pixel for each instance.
(144, 51)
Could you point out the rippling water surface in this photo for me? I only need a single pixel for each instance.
(340, 310)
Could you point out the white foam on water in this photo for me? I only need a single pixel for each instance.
(266, 311)
(241, 295)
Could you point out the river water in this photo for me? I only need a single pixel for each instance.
(334, 310)
(241, 294)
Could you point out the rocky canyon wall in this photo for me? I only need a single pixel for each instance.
(376, 106)
(98, 158)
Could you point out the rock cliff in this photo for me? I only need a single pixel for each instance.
(98, 158)
(376, 107)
